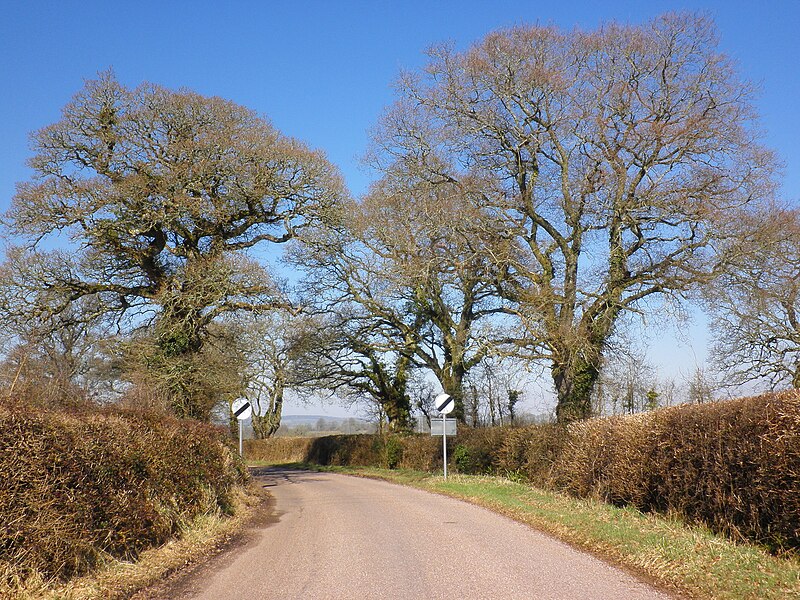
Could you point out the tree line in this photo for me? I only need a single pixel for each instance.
(530, 194)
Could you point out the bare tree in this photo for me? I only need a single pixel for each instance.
(627, 384)
(495, 385)
(273, 345)
(423, 393)
(63, 360)
(363, 360)
(446, 257)
(606, 157)
(668, 392)
(755, 303)
(411, 261)
(161, 194)
(700, 387)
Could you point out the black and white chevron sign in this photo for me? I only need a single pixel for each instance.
(241, 409)
(444, 403)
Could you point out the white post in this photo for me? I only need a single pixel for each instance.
(444, 443)
(240, 438)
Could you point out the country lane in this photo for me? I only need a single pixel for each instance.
(341, 537)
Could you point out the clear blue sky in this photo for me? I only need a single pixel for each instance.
(322, 71)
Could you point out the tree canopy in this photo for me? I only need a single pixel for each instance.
(530, 192)
(162, 194)
(755, 301)
(607, 158)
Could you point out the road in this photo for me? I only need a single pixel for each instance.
(339, 537)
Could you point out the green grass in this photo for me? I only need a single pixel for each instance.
(689, 560)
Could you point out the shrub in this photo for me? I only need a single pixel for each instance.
(393, 452)
(278, 449)
(742, 474)
(733, 466)
(462, 459)
(76, 486)
(422, 453)
(346, 450)
(474, 460)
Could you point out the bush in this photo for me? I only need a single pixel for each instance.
(462, 459)
(471, 461)
(393, 451)
(422, 453)
(733, 466)
(76, 486)
(346, 450)
(278, 449)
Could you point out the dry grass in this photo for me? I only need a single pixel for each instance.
(83, 489)
(117, 579)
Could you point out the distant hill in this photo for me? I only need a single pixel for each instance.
(292, 420)
(316, 425)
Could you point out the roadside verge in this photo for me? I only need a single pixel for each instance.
(200, 539)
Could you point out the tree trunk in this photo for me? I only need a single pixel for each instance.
(179, 342)
(397, 407)
(474, 407)
(574, 383)
(265, 426)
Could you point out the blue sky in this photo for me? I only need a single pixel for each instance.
(322, 71)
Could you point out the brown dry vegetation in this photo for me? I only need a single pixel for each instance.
(86, 485)
(733, 466)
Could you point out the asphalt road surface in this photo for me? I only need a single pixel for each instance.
(344, 537)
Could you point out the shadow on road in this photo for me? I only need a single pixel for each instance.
(281, 475)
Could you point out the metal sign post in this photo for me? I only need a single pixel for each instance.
(242, 410)
(444, 404)
(444, 445)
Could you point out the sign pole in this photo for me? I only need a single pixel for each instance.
(444, 444)
(444, 403)
(242, 410)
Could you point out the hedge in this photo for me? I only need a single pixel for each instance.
(76, 486)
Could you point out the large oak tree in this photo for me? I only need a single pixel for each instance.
(607, 157)
(163, 196)
(367, 333)
(409, 284)
(275, 346)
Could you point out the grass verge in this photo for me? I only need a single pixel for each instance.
(116, 579)
(691, 561)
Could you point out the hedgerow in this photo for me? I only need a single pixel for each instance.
(80, 485)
